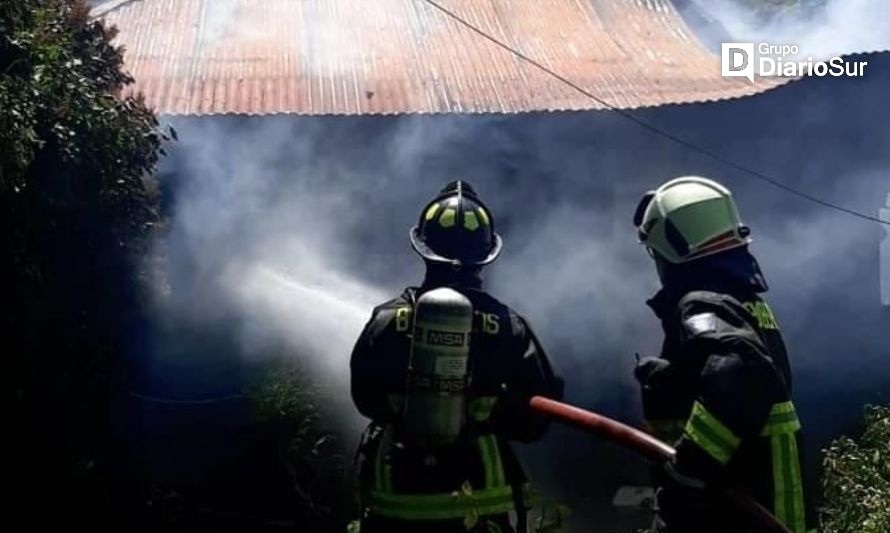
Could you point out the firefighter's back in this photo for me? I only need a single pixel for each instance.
(445, 372)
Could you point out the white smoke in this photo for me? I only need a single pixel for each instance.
(297, 227)
(252, 239)
(838, 27)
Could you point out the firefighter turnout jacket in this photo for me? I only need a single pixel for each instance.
(721, 391)
(476, 479)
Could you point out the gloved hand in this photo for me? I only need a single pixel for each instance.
(513, 418)
(649, 366)
(661, 403)
(672, 476)
(514, 400)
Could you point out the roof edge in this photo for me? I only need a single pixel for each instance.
(109, 5)
(705, 101)
(469, 113)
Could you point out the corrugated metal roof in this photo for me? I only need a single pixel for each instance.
(316, 57)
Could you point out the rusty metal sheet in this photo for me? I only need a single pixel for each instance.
(351, 57)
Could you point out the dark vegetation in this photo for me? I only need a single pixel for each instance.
(76, 213)
(856, 478)
(79, 214)
(316, 463)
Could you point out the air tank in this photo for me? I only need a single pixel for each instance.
(435, 399)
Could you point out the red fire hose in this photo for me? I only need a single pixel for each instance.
(645, 445)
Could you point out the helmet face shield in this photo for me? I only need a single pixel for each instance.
(688, 218)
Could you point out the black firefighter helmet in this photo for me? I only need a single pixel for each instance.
(456, 228)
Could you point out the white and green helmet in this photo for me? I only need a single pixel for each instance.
(689, 218)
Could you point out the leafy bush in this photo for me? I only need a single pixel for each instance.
(76, 210)
(856, 480)
(310, 451)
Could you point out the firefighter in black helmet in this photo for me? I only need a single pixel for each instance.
(444, 372)
(721, 389)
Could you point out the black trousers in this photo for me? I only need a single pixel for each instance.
(682, 510)
(486, 524)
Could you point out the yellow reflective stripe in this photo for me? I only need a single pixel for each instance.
(761, 312)
(403, 318)
(491, 461)
(795, 483)
(385, 444)
(710, 434)
(778, 482)
(431, 212)
(387, 477)
(500, 478)
(470, 221)
(777, 429)
(480, 408)
(483, 216)
(787, 485)
(782, 408)
(382, 468)
(782, 419)
(442, 506)
(486, 464)
(446, 219)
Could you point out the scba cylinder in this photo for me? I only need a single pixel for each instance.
(435, 399)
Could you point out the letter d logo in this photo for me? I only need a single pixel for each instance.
(737, 60)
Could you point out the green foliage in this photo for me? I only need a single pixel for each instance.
(64, 132)
(76, 211)
(311, 453)
(856, 480)
(283, 394)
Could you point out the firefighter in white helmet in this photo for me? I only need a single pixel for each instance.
(721, 389)
(445, 372)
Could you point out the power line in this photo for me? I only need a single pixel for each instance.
(655, 129)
